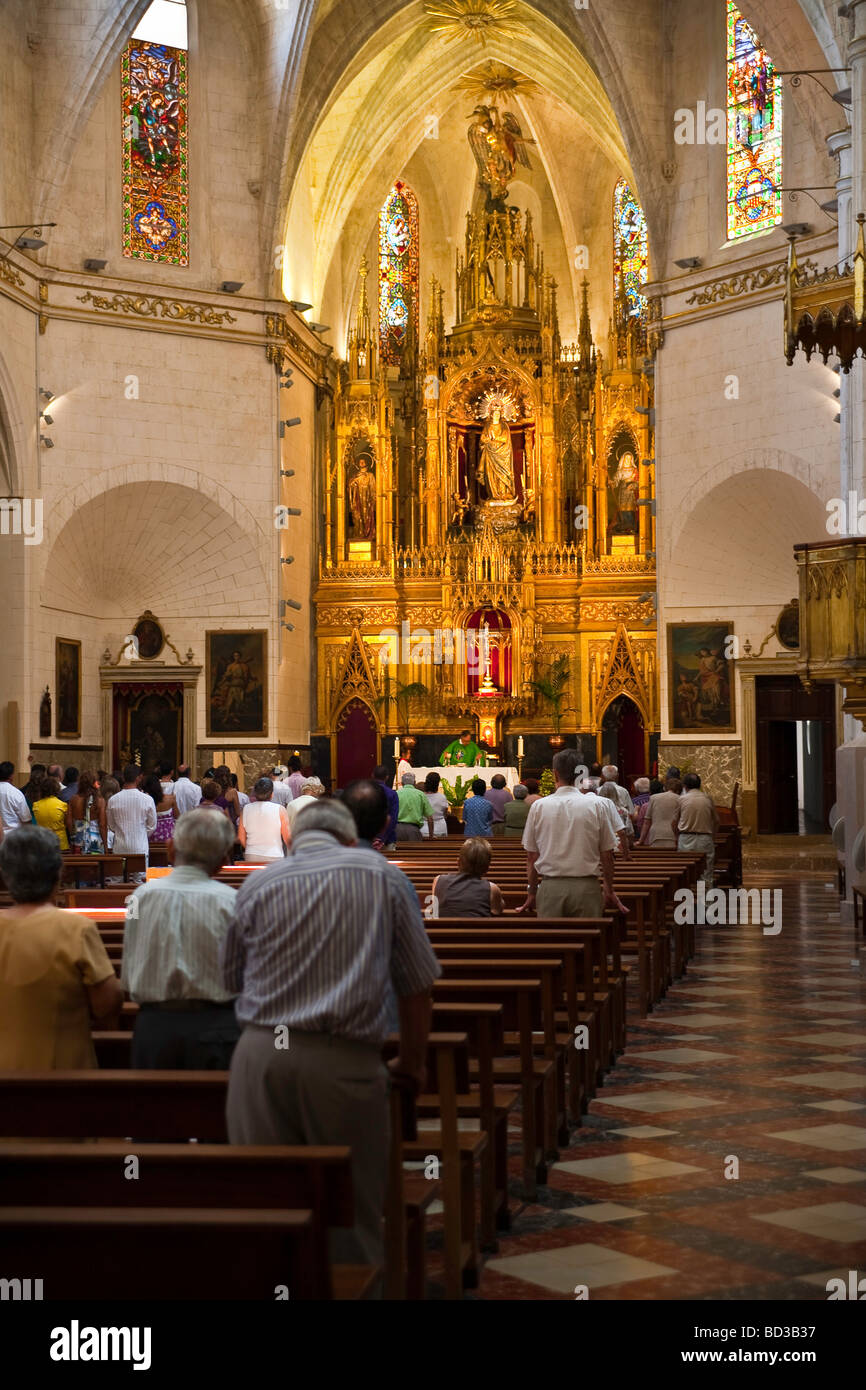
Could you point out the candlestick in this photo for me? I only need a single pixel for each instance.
(520, 745)
(396, 747)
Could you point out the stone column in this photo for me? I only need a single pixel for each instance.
(750, 773)
(190, 732)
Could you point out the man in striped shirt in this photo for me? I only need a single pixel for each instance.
(132, 816)
(314, 943)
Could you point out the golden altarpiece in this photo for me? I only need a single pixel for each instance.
(488, 508)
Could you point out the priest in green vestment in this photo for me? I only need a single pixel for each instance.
(463, 752)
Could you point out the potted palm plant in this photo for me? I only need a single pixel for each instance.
(401, 697)
(551, 687)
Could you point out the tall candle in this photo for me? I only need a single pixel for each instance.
(520, 745)
(396, 747)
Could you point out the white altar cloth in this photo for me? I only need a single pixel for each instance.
(450, 774)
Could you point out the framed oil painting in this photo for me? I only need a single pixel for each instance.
(67, 659)
(236, 670)
(700, 678)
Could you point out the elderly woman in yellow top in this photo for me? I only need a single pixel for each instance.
(55, 977)
(50, 812)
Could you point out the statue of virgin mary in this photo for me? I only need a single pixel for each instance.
(496, 462)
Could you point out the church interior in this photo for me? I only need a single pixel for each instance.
(376, 374)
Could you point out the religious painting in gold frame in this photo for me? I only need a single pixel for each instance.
(67, 678)
(700, 678)
(236, 672)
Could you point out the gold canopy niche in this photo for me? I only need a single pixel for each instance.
(496, 479)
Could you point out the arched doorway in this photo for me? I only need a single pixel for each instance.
(356, 742)
(623, 739)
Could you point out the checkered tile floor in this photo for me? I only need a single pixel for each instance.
(725, 1156)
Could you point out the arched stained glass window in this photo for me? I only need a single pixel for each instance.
(754, 133)
(398, 273)
(629, 246)
(155, 168)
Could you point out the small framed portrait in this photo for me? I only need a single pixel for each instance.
(236, 674)
(67, 660)
(149, 635)
(788, 626)
(701, 678)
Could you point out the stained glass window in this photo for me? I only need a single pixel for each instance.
(754, 133)
(629, 246)
(155, 156)
(398, 272)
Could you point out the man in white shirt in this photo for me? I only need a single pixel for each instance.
(610, 774)
(187, 794)
(589, 787)
(14, 810)
(131, 815)
(283, 793)
(569, 842)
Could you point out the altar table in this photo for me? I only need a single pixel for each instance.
(450, 775)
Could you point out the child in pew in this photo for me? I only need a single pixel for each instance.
(55, 974)
(468, 893)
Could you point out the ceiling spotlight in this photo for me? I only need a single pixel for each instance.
(797, 228)
(46, 394)
(46, 442)
(832, 205)
(837, 419)
(843, 96)
(287, 559)
(321, 327)
(287, 472)
(647, 463)
(291, 603)
(292, 511)
(290, 627)
(299, 306)
(286, 378)
(231, 286)
(837, 393)
(648, 411)
(688, 263)
(49, 420)
(30, 243)
(287, 425)
(92, 264)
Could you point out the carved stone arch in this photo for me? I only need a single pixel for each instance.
(622, 676)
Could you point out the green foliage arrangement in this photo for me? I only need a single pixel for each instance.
(551, 687)
(401, 698)
(547, 783)
(456, 795)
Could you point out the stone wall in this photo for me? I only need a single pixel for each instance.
(719, 765)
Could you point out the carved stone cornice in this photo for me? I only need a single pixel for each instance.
(152, 306)
(284, 341)
(11, 275)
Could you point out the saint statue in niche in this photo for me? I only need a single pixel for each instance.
(622, 497)
(362, 500)
(496, 462)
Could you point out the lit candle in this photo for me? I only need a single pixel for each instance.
(396, 747)
(520, 745)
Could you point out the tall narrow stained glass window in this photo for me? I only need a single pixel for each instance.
(398, 273)
(629, 246)
(754, 132)
(155, 153)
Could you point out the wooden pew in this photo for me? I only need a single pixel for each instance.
(149, 1105)
(84, 1253)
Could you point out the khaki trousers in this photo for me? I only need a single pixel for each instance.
(700, 844)
(569, 897)
(318, 1090)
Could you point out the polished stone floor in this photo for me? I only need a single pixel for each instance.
(725, 1156)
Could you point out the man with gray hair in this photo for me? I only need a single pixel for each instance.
(414, 810)
(175, 927)
(314, 945)
(610, 774)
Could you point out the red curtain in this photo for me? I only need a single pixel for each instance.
(500, 653)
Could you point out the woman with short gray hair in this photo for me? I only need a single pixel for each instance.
(263, 828)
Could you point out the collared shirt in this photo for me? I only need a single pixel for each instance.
(660, 815)
(698, 815)
(393, 813)
(69, 791)
(298, 804)
(611, 810)
(283, 793)
(623, 797)
(499, 798)
(131, 815)
(316, 939)
(515, 814)
(477, 816)
(414, 806)
(295, 781)
(187, 795)
(175, 927)
(568, 831)
(14, 810)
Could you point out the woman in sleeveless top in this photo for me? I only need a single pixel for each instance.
(439, 802)
(86, 817)
(166, 809)
(228, 798)
(468, 893)
(264, 826)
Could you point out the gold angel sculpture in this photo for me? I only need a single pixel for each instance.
(498, 145)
